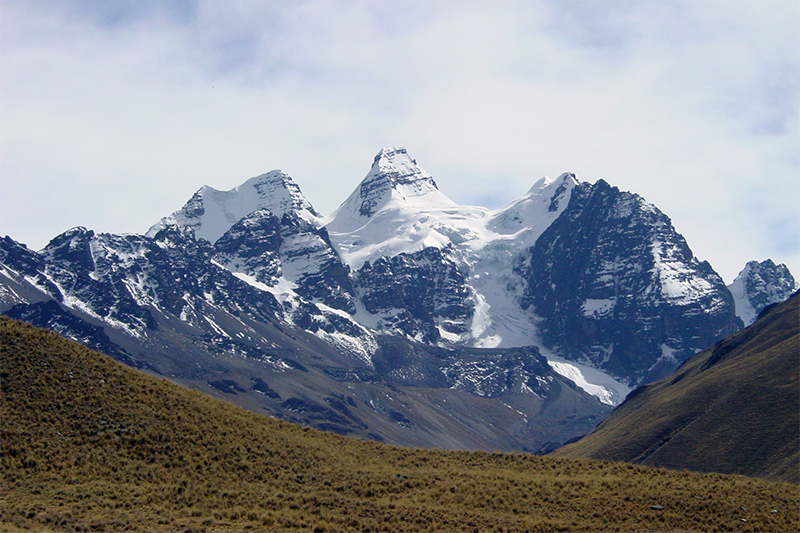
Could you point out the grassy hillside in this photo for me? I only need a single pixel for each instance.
(90, 445)
(734, 408)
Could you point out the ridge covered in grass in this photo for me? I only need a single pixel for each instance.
(733, 408)
(90, 445)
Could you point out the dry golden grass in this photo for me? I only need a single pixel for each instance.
(90, 445)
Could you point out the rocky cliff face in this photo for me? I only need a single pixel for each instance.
(127, 280)
(615, 285)
(422, 294)
(288, 254)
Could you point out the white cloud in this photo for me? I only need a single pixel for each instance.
(113, 113)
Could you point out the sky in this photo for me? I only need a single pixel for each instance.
(113, 113)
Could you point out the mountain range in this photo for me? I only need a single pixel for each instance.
(402, 316)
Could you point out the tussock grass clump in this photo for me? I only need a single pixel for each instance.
(90, 445)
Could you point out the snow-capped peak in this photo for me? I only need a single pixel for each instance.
(535, 211)
(211, 212)
(547, 186)
(758, 285)
(394, 181)
(396, 171)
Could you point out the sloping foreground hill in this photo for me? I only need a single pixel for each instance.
(734, 408)
(91, 445)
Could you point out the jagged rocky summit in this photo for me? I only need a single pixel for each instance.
(758, 285)
(251, 293)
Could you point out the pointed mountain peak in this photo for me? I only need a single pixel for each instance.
(758, 285)
(78, 232)
(535, 211)
(396, 180)
(279, 193)
(73, 239)
(545, 185)
(393, 169)
(396, 164)
(211, 212)
(394, 158)
(73, 247)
